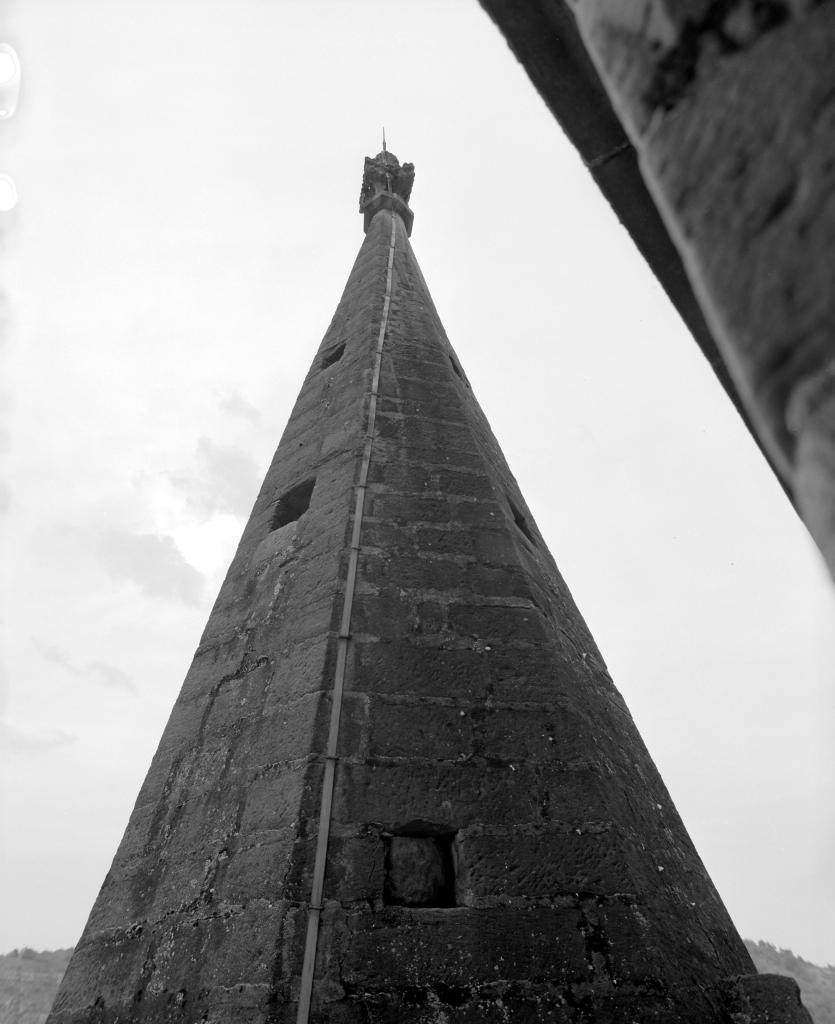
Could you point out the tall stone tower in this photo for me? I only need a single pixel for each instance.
(398, 784)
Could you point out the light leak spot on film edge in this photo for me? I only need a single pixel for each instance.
(8, 193)
(8, 65)
(9, 81)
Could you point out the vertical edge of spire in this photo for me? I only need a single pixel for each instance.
(386, 185)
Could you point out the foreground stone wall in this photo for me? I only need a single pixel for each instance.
(731, 107)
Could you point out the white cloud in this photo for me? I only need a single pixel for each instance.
(218, 480)
(15, 741)
(236, 405)
(109, 675)
(98, 671)
(153, 563)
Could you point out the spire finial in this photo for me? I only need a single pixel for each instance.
(386, 183)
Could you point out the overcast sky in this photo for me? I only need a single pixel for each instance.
(188, 178)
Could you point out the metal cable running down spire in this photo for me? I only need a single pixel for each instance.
(315, 907)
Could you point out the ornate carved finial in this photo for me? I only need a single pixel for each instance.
(383, 173)
(386, 185)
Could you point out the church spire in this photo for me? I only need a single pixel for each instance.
(398, 784)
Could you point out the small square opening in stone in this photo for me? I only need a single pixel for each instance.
(333, 356)
(419, 870)
(293, 504)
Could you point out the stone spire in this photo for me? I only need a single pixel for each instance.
(398, 784)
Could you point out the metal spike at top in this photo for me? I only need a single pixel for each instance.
(384, 138)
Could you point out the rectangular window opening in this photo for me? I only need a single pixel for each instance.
(419, 868)
(292, 505)
(333, 356)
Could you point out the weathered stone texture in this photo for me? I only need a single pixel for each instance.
(764, 999)
(730, 106)
(501, 846)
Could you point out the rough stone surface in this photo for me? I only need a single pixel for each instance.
(501, 847)
(764, 999)
(543, 35)
(745, 181)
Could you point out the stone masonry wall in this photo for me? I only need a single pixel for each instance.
(731, 107)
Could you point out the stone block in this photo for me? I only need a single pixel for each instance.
(447, 395)
(98, 972)
(436, 402)
(312, 620)
(401, 729)
(290, 732)
(521, 1003)
(469, 485)
(240, 949)
(387, 617)
(427, 433)
(300, 667)
(216, 658)
(462, 947)
(407, 509)
(422, 371)
(497, 623)
(408, 572)
(542, 673)
(278, 544)
(274, 798)
(380, 537)
(558, 734)
(553, 863)
(401, 476)
(431, 671)
(257, 868)
(495, 547)
(467, 793)
(235, 701)
(344, 437)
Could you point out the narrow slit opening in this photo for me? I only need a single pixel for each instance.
(457, 370)
(521, 522)
(333, 356)
(292, 505)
